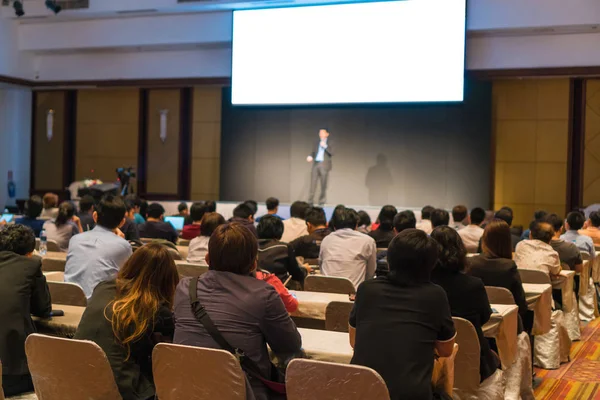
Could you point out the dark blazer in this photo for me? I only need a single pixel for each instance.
(308, 246)
(278, 258)
(501, 272)
(134, 376)
(468, 300)
(327, 156)
(23, 292)
(382, 238)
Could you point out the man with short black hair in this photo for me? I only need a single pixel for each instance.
(536, 252)
(593, 229)
(130, 228)
(346, 252)
(308, 246)
(575, 221)
(243, 214)
(472, 233)
(33, 210)
(23, 293)
(272, 208)
(155, 227)
(459, 215)
(86, 210)
(425, 224)
(439, 217)
(567, 252)
(183, 211)
(137, 203)
(98, 255)
(404, 220)
(192, 230)
(295, 227)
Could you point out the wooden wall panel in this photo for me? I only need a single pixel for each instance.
(591, 160)
(163, 158)
(107, 132)
(531, 128)
(206, 143)
(48, 170)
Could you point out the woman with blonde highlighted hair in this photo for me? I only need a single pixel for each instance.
(128, 315)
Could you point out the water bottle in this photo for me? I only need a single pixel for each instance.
(43, 243)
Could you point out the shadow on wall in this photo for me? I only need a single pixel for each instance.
(379, 181)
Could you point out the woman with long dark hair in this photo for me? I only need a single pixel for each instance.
(384, 233)
(126, 316)
(64, 226)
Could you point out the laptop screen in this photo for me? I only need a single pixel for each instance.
(7, 217)
(177, 222)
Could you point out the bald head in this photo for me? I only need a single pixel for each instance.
(542, 231)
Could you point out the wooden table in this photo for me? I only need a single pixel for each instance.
(502, 326)
(64, 326)
(539, 300)
(312, 305)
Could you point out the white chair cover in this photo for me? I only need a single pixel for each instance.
(587, 300)
(518, 376)
(552, 349)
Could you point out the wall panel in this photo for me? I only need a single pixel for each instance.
(591, 163)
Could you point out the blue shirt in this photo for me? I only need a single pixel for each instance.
(33, 223)
(138, 219)
(95, 256)
(583, 243)
(321, 153)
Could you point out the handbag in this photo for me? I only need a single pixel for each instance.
(274, 383)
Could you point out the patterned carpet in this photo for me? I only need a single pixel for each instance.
(580, 378)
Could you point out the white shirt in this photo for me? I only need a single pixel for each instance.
(425, 226)
(535, 254)
(348, 254)
(198, 250)
(470, 235)
(293, 228)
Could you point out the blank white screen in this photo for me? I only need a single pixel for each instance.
(397, 51)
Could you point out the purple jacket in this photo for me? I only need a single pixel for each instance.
(249, 314)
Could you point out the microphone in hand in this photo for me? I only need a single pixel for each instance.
(309, 159)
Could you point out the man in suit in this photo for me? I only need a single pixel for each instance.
(321, 159)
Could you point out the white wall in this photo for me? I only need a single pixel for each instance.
(13, 62)
(15, 139)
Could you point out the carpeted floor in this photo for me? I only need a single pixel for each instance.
(580, 378)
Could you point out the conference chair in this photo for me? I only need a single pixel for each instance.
(318, 380)
(328, 284)
(67, 369)
(499, 295)
(183, 242)
(588, 302)
(337, 314)
(55, 276)
(66, 293)
(52, 245)
(190, 270)
(196, 373)
(466, 367)
(50, 264)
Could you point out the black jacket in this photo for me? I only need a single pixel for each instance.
(278, 258)
(23, 292)
(309, 246)
(327, 154)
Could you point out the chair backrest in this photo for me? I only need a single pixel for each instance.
(328, 284)
(55, 276)
(175, 254)
(183, 242)
(196, 373)
(67, 369)
(67, 293)
(318, 380)
(534, 276)
(585, 256)
(499, 295)
(50, 264)
(337, 314)
(52, 245)
(466, 363)
(192, 270)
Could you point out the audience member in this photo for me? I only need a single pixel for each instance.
(130, 228)
(23, 293)
(86, 210)
(439, 217)
(261, 321)
(155, 227)
(575, 221)
(459, 215)
(211, 206)
(364, 222)
(289, 301)
(472, 233)
(346, 252)
(495, 267)
(97, 255)
(295, 227)
(384, 234)
(466, 294)
(309, 246)
(137, 203)
(425, 224)
(33, 209)
(183, 211)
(143, 210)
(593, 228)
(199, 245)
(192, 230)
(506, 215)
(243, 215)
(50, 202)
(272, 208)
(404, 220)
(538, 216)
(253, 206)
(398, 321)
(275, 256)
(126, 316)
(536, 252)
(568, 253)
(64, 227)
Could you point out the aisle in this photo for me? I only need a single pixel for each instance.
(579, 379)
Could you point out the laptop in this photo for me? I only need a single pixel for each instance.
(177, 222)
(7, 218)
